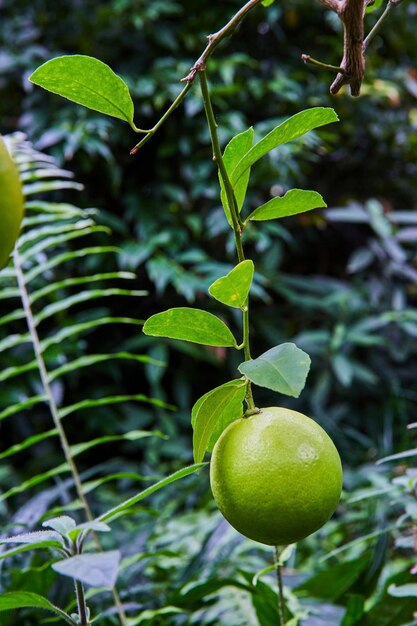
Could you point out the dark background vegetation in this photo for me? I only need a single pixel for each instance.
(341, 283)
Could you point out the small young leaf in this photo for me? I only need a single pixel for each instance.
(294, 127)
(27, 599)
(62, 524)
(284, 368)
(234, 152)
(233, 289)
(87, 81)
(213, 412)
(97, 570)
(294, 202)
(94, 525)
(189, 324)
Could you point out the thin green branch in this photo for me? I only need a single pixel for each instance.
(150, 133)
(233, 208)
(218, 158)
(215, 39)
(375, 30)
(333, 68)
(54, 408)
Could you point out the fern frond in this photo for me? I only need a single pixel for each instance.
(58, 305)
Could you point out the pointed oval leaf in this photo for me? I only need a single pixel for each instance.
(87, 81)
(284, 368)
(29, 600)
(294, 202)
(97, 570)
(233, 289)
(213, 412)
(190, 324)
(234, 152)
(294, 127)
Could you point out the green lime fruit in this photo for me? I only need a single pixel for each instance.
(11, 204)
(276, 476)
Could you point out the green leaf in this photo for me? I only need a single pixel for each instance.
(55, 185)
(294, 127)
(87, 527)
(266, 570)
(234, 152)
(233, 289)
(90, 403)
(86, 81)
(27, 443)
(354, 610)
(76, 329)
(132, 435)
(374, 6)
(189, 324)
(26, 599)
(151, 616)
(334, 582)
(403, 591)
(97, 570)
(40, 545)
(213, 412)
(41, 536)
(115, 512)
(294, 202)
(16, 408)
(34, 480)
(390, 610)
(61, 525)
(284, 368)
(93, 359)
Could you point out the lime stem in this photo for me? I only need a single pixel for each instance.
(281, 599)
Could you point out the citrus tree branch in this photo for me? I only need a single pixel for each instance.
(352, 67)
(213, 41)
(351, 12)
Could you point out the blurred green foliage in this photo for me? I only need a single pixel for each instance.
(342, 283)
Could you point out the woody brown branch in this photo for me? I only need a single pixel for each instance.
(351, 13)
